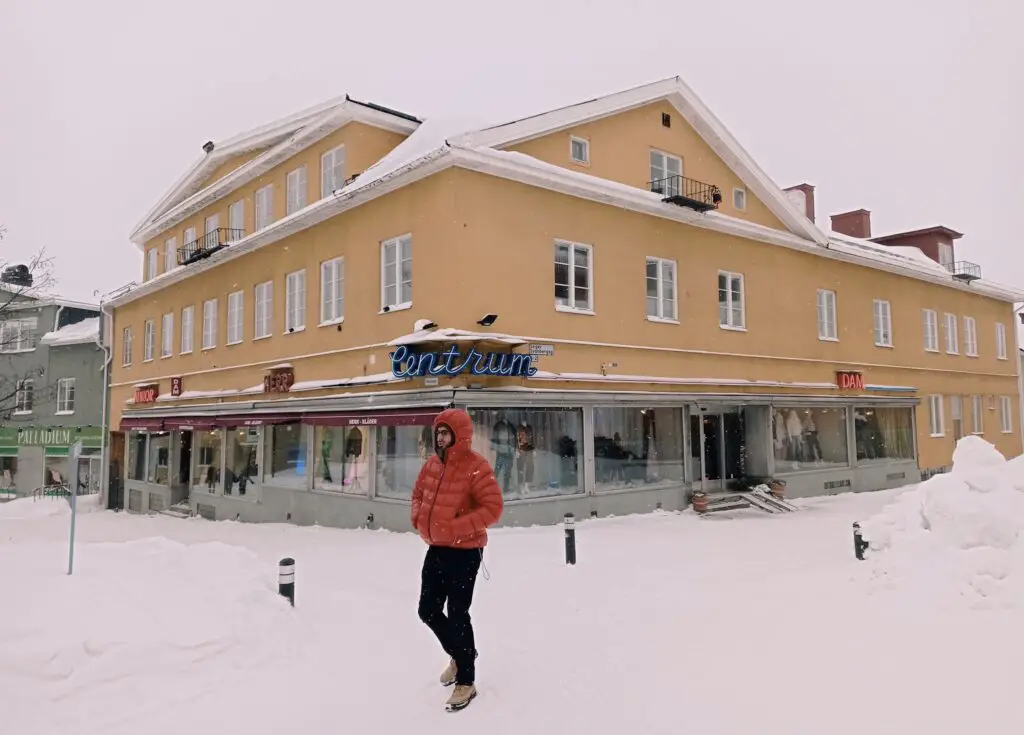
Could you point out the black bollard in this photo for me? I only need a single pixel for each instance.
(859, 544)
(570, 539)
(286, 579)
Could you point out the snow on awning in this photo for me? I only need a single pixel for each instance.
(83, 332)
(435, 336)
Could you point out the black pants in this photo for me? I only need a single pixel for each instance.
(449, 575)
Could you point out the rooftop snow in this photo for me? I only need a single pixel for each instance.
(83, 332)
(454, 335)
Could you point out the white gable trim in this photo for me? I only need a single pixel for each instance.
(693, 110)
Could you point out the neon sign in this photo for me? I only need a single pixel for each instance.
(408, 364)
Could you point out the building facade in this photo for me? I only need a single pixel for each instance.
(51, 370)
(627, 305)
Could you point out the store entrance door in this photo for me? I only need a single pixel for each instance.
(716, 445)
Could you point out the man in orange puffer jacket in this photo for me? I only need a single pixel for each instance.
(455, 499)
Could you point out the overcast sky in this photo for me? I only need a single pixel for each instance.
(910, 109)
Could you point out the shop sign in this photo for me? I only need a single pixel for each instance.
(175, 387)
(451, 363)
(50, 436)
(849, 380)
(147, 393)
(279, 380)
(539, 350)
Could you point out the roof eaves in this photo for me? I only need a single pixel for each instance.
(386, 110)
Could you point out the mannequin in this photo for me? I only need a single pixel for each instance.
(794, 433)
(503, 439)
(524, 455)
(354, 449)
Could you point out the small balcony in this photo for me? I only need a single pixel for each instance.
(206, 245)
(684, 192)
(964, 270)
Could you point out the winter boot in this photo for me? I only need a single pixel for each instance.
(448, 675)
(462, 695)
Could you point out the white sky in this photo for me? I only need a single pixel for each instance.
(904, 107)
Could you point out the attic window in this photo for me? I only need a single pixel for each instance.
(666, 120)
(739, 199)
(579, 150)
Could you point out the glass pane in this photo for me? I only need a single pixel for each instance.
(652, 287)
(284, 455)
(809, 438)
(638, 447)
(159, 460)
(389, 256)
(342, 459)
(883, 434)
(240, 459)
(652, 269)
(535, 452)
(206, 448)
(652, 306)
(401, 452)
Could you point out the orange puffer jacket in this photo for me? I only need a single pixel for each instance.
(453, 502)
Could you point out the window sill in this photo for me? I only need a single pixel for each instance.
(166, 357)
(572, 310)
(262, 336)
(977, 433)
(232, 344)
(954, 354)
(332, 322)
(209, 349)
(1002, 358)
(22, 413)
(149, 360)
(662, 320)
(185, 352)
(934, 351)
(388, 309)
(975, 356)
(937, 436)
(828, 339)
(730, 328)
(297, 330)
(1004, 431)
(64, 413)
(885, 346)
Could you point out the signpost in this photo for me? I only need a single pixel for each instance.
(73, 454)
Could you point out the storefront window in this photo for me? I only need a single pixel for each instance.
(240, 459)
(401, 452)
(284, 455)
(534, 452)
(159, 461)
(884, 434)
(8, 471)
(637, 447)
(206, 448)
(55, 471)
(341, 456)
(809, 438)
(137, 441)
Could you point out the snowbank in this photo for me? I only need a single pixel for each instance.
(83, 332)
(958, 537)
(21, 509)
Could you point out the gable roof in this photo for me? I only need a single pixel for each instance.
(694, 111)
(283, 137)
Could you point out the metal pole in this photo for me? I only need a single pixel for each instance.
(570, 539)
(73, 454)
(286, 579)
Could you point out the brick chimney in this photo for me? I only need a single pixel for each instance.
(853, 224)
(802, 196)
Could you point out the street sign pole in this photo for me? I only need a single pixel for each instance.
(73, 454)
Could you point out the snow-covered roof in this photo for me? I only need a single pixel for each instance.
(426, 336)
(83, 332)
(30, 298)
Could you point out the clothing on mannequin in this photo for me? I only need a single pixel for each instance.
(503, 439)
(353, 450)
(524, 455)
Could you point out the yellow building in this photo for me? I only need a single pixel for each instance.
(627, 304)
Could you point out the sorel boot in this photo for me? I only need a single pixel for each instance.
(448, 675)
(462, 695)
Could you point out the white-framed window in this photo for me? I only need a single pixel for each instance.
(264, 206)
(209, 324)
(236, 220)
(236, 317)
(970, 336)
(828, 329)
(945, 254)
(664, 166)
(1005, 415)
(126, 347)
(66, 395)
(151, 263)
(18, 335)
(264, 310)
(977, 419)
(295, 186)
(332, 291)
(24, 396)
(167, 335)
(952, 339)
(883, 323)
(956, 416)
(579, 149)
(295, 301)
(731, 301)
(149, 339)
(931, 330)
(661, 290)
(574, 276)
(739, 199)
(396, 273)
(1000, 341)
(936, 418)
(188, 328)
(332, 171)
(170, 254)
(210, 226)
(190, 236)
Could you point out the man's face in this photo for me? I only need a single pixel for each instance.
(444, 437)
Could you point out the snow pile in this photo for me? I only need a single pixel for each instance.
(959, 537)
(83, 332)
(21, 509)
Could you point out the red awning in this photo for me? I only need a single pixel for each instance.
(136, 423)
(417, 417)
(254, 420)
(202, 423)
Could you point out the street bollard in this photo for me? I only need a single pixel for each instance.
(859, 544)
(570, 539)
(286, 579)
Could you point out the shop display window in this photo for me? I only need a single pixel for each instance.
(884, 434)
(809, 438)
(637, 447)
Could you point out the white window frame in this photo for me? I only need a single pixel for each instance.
(332, 171)
(209, 324)
(236, 220)
(170, 254)
(148, 341)
(882, 318)
(236, 317)
(264, 310)
(930, 319)
(65, 396)
(970, 336)
(977, 415)
(151, 263)
(18, 335)
(739, 199)
(659, 167)
(1005, 415)
(952, 336)
(24, 397)
(126, 347)
(296, 190)
(189, 235)
(264, 203)
(662, 264)
(1001, 341)
(167, 335)
(295, 302)
(945, 249)
(936, 416)
(400, 243)
(584, 144)
(188, 329)
(828, 317)
(570, 305)
(730, 322)
(332, 291)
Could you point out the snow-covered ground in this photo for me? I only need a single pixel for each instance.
(744, 624)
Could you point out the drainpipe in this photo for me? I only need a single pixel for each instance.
(107, 355)
(56, 319)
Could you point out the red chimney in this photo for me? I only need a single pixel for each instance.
(802, 196)
(854, 224)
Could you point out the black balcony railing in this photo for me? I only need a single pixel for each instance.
(686, 192)
(964, 270)
(206, 245)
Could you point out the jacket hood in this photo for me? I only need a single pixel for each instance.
(461, 425)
